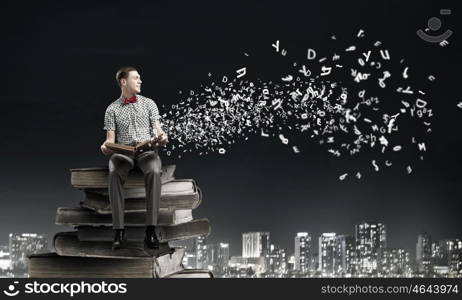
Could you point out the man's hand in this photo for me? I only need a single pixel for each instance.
(105, 150)
(163, 139)
(110, 138)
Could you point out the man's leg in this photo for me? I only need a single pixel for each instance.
(151, 165)
(119, 167)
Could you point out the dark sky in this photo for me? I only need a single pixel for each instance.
(59, 61)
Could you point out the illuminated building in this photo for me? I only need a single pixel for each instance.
(302, 252)
(370, 237)
(255, 244)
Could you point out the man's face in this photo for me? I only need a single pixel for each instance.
(132, 83)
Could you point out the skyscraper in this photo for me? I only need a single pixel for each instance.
(424, 253)
(223, 258)
(370, 237)
(455, 259)
(327, 254)
(451, 250)
(5, 262)
(255, 244)
(302, 252)
(277, 261)
(211, 256)
(23, 244)
(201, 254)
(393, 262)
(437, 255)
(346, 254)
(217, 258)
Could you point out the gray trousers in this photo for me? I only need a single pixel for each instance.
(119, 167)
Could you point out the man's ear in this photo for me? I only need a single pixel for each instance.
(123, 82)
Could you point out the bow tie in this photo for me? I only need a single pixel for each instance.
(130, 100)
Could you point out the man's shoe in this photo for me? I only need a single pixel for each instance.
(150, 240)
(118, 239)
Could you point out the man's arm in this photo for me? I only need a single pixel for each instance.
(109, 126)
(154, 117)
(161, 133)
(110, 138)
(158, 127)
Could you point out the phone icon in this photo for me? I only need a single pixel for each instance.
(434, 24)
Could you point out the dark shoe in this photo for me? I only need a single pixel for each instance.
(150, 240)
(118, 239)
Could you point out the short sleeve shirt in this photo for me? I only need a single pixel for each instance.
(133, 123)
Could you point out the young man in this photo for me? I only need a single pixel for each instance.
(129, 120)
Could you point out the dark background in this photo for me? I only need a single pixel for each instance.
(58, 65)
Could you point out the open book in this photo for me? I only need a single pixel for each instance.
(134, 150)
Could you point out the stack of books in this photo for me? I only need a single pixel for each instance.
(86, 250)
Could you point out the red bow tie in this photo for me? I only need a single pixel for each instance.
(130, 100)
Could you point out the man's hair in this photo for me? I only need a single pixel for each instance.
(123, 73)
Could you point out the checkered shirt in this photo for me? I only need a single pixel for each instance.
(132, 122)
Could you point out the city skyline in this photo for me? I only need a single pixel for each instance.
(239, 250)
(363, 254)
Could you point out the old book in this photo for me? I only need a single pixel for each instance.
(166, 233)
(192, 273)
(129, 193)
(179, 193)
(140, 148)
(98, 177)
(68, 244)
(51, 265)
(75, 216)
